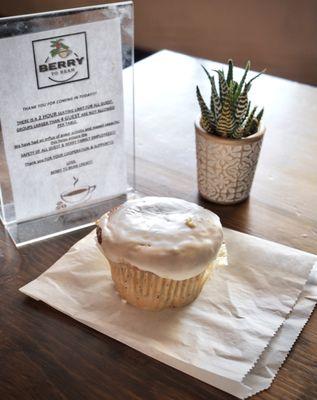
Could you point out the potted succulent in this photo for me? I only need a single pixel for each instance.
(229, 136)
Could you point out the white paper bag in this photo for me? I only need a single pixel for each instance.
(234, 336)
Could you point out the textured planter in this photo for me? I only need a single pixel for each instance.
(226, 167)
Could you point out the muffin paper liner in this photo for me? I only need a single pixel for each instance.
(150, 292)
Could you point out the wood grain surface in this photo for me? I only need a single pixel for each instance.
(47, 355)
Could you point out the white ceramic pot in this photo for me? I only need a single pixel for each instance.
(226, 167)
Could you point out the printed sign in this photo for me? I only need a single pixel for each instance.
(62, 117)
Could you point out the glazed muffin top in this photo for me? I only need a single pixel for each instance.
(169, 237)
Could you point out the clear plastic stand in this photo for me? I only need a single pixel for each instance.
(81, 215)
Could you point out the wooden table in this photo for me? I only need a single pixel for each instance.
(47, 355)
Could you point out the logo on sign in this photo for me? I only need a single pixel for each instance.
(61, 59)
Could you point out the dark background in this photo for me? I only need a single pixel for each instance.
(280, 35)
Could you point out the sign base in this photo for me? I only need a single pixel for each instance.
(35, 230)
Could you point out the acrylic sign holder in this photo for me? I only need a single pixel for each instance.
(85, 214)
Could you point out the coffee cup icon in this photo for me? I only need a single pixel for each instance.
(77, 195)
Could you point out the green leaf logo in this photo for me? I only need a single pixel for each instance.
(59, 48)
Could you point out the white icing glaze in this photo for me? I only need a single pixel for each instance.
(170, 237)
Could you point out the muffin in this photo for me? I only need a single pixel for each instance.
(161, 250)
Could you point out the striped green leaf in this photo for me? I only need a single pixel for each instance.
(260, 115)
(207, 118)
(225, 124)
(215, 99)
(241, 108)
(249, 123)
(230, 71)
(223, 86)
(241, 83)
(256, 76)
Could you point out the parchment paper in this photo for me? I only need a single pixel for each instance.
(235, 336)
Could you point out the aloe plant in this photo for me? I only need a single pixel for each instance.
(230, 113)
